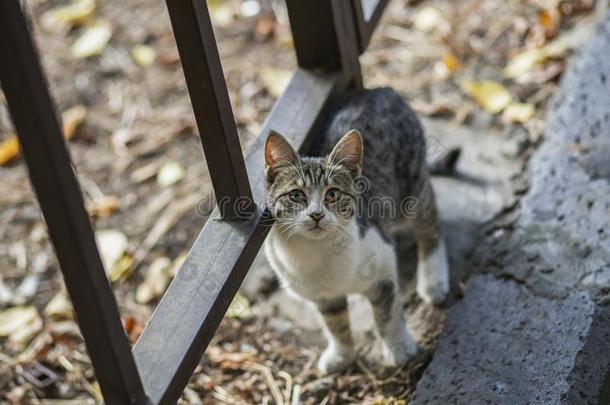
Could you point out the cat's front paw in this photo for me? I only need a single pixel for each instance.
(397, 354)
(433, 292)
(333, 360)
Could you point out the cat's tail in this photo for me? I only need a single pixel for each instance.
(446, 164)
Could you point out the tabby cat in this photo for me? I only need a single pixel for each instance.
(335, 217)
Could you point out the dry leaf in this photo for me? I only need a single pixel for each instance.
(143, 55)
(59, 307)
(133, 328)
(567, 41)
(427, 19)
(518, 112)
(122, 268)
(103, 207)
(221, 13)
(93, 41)
(112, 245)
(524, 62)
(239, 308)
(77, 13)
(20, 324)
(155, 282)
(170, 173)
(275, 80)
(72, 118)
(491, 96)
(9, 149)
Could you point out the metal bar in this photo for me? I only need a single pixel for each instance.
(176, 336)
(325, 36)
(212, 107)
(62, 204)
(367, 14)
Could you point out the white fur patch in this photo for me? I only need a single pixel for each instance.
(433, 276)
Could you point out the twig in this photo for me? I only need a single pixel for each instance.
(273, 387)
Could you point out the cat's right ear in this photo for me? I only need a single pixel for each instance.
(278, 153)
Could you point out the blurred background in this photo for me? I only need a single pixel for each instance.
(113, 69)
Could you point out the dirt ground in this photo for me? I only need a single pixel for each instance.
(136, 150)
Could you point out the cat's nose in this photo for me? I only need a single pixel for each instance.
(317, 216)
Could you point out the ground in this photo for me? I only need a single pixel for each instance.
(139, 161)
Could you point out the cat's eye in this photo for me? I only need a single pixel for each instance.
(332, 195)
(297, 196)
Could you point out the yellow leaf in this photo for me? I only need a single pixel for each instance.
(451, 62)
(156, 279)
(112, 245)
(13, 319)
(518, 112)
(143, 55)
(75, 14)
(427, 19)
(239, 308)
(72, 118)
(121, 269)
(93, 41)
(491, 96)
(170, 173)
(275, 80)
(59, 307)
(9, 149)
(524, 62)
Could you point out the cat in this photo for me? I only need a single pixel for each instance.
(335, 216)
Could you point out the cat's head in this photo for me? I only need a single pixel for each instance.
(312, 197)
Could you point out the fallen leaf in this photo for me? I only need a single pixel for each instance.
(239, 308)
(447, 66)
(170, 173)
(27, 289)
(93, 40)
(6, 293)
(77, 13)
(133, 328)
(9, 149)
(275, 80)
(524, 62)
(59, 307)
(112, 245)
(15, 318)
(556, 49)
(265, 27)
(250, 8)
(221, 13)
(491, 96)
(103, 207)
(155, 282)
(143, 55)
(121, 269)
(72, 118)
(20, 324)
(427, 19)
(518, 112)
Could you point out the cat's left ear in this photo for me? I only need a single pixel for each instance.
(348, 152)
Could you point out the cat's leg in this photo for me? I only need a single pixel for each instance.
(398, 344)
(339, 354)
(432, 263)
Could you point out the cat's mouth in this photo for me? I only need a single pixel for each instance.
(316, 228)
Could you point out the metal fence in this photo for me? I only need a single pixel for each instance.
(328, 35)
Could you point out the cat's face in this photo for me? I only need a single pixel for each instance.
(312, 197)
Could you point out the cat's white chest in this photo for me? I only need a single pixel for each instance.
(317, 269)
